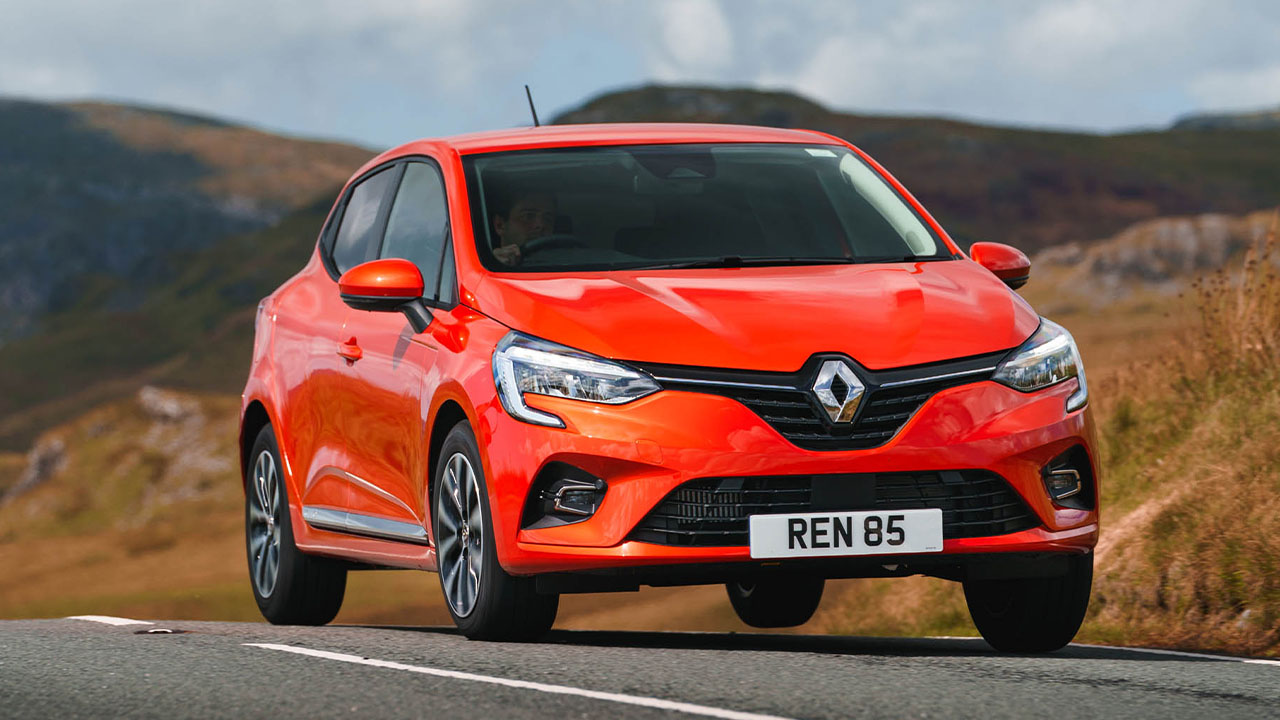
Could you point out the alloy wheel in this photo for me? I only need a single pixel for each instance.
(264, 524)
(460, 537)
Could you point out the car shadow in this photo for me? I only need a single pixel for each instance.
(822, 644)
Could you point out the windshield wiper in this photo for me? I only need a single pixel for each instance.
(732, 261)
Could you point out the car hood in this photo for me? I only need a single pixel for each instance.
(881, 315)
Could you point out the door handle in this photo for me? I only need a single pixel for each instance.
(350, 351)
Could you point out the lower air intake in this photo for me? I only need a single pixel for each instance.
(714, 512)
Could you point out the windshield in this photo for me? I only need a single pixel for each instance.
(672, 206)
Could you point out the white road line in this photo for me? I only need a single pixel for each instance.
(1203, 656)
(108, 620)
(642, 701)
(1153, 651)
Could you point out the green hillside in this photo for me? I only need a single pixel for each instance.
(194, 331)
(1030, 188)
(130, 236)
(93, 189)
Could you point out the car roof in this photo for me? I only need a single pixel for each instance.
(619, 134)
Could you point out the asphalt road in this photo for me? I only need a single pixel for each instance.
(79, 668)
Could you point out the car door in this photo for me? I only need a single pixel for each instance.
(308, 328)
(332, 400)
(388, 431)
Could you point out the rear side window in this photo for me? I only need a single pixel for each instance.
(419, 223)
(357, 239)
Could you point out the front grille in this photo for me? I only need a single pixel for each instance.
(714, 512)
(786, 402)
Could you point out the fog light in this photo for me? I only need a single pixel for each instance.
(1068, 479)
(574, 497)
(1062, 484)
(562, 494)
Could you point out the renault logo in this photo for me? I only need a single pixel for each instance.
(839, 390)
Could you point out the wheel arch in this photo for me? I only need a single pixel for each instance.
(256, 415)
(449, 413)
(255, 418)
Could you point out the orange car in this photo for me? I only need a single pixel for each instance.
(589, 358)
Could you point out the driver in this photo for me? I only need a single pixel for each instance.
(531, 214)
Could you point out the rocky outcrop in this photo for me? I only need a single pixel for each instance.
(47, 458)
(166, 406)
(1162, 256)
(127, 460)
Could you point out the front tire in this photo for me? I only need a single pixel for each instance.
(291, 587)
(1032, 615)
(776, 602)
(485, 602)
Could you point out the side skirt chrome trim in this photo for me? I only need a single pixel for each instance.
(367, 525)
(324, 518)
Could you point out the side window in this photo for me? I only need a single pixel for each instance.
(419, 223)
(357, 240)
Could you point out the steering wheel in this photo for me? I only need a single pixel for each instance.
(551, 242)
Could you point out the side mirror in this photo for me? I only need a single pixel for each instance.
(387, 285)
(1007, 263)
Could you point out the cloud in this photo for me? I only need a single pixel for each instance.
(42, 80)
(696, 40)
(1058, 39)
(1072, 63)
(1237, 89)
(384, 71)
(881, 62)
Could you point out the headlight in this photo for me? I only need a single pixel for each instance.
(522, 364)
(1048, 358)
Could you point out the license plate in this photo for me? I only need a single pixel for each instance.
(846, 533)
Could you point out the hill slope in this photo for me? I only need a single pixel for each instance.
(137, 511)
(195, 330)
(135, 243)
(98, 190)
(1031, 188)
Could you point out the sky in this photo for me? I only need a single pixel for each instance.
(382, 72)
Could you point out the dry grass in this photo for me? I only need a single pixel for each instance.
(915, 606)
(1193, 461)
(1239, 315)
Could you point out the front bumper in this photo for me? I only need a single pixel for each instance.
(647, 448)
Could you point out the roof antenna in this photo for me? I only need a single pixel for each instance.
(535, 112)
